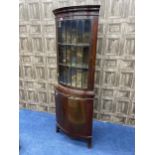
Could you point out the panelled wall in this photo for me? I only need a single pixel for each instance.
(114, 82)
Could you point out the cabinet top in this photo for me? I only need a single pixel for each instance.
(74, 9)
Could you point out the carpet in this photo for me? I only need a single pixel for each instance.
(38, 137)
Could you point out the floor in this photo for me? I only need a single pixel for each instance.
(38, 137)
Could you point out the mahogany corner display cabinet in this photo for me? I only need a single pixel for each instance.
(76, 33)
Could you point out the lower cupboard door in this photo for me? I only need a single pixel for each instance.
(79, 115)
(74, 114)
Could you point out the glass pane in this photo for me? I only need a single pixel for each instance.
(73, 77)
(69, 76)
(68, 31)
(80, 29)
(73, 32)
(79, 56)
(73, 56)
(85, 56)
(74, 59)
(62, 74)
(84, 79)
(63, 32)
(62, 54)
(59, 31)
(82, 56)
(87, 30)
(65, 75)
(68, 55)
(79, 78)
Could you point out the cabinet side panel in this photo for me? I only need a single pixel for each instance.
(93, 53)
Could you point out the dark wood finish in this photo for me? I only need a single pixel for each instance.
(76, 33)
(93, 51)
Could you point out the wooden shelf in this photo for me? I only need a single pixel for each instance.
(74, 66)
(74, 44)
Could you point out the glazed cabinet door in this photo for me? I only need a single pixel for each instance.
(74, 51)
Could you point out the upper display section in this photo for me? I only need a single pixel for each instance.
(76, 30)
(92, 10)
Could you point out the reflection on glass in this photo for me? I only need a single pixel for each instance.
(79, 55)
(73, 77)
(69, 76)
(65, 75)
(59, 23)
(74, 32)
(68, 55)
(60, 74)
(73, 56)
(84, 79)
(87, 29)
(80, 31)
(62, 54)
(63, 31)
(74, 59)
(68, 31)
(79, 76)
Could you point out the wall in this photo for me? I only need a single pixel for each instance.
(114, 84)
